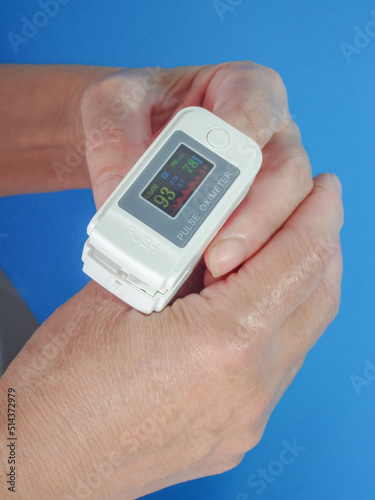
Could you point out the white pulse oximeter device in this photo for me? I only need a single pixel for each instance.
(147, 237)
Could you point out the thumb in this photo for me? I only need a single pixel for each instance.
(117, 132)
(105, 186)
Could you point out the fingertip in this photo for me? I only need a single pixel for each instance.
(331, 184)
(226, 255)
(337, 183)
(330, 179)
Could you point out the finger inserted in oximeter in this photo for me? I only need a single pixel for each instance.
(146, 239)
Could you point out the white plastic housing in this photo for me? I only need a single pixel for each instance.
(132, 260)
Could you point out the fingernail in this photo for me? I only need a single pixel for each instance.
(337, 183)
(227, 255)
(105, 187)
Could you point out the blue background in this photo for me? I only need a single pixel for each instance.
(332, 100)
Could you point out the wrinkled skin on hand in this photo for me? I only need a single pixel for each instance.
(143, 402)
(122, 114)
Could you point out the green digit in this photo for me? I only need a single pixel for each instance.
(160, 200)
(190, 164)
(171, 195)
(193, 163)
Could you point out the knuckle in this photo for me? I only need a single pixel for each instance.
(224, 465)
(262, 397)
(255, 438)
(95, 93)
(274, 77)
(233, 462)
(257, 89)
(297, 167)
(255, 107)
(258, 112)
(244, 441)
(104, 95)
(331, 297)
(294, 129)
(253, 114)
(264, 71)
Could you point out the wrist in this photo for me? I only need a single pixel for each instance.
(55, 420)
(70, 168)
(42, 144)
(49, 449)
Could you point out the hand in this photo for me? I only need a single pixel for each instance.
(123, 113)
(115, 404)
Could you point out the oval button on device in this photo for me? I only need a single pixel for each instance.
(218, 138)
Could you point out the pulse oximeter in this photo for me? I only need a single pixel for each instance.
(147, 237)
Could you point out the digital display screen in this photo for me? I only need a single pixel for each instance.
(179, 178)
